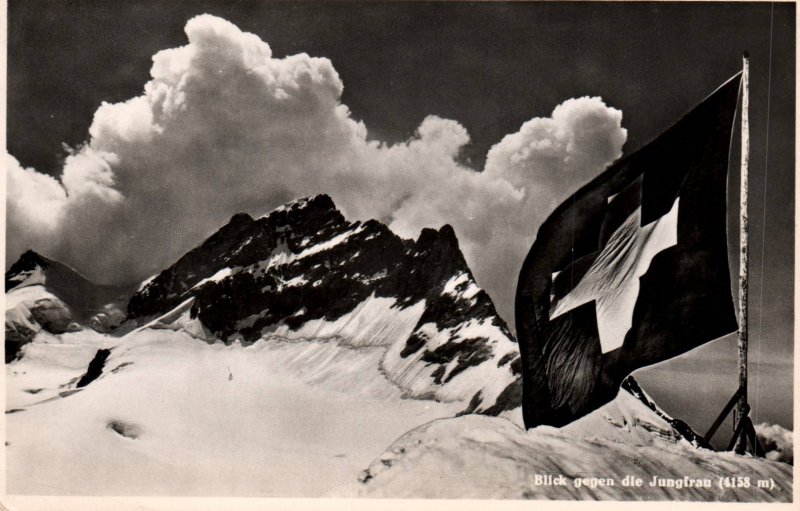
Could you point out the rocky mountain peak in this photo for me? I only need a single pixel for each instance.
(304, 271)
(23, 268)
(29, 257)
(237, 221)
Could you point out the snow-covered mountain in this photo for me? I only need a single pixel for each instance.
(305, 272)
(284, 354)
(43, 294)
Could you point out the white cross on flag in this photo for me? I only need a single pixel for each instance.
(631, 270)
(612, 281)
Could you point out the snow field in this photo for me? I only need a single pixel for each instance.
(489, 457)
(273, 419)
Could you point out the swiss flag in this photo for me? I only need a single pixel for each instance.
(631, 270)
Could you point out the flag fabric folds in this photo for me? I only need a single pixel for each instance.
(631, 270)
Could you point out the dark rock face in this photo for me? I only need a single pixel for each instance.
(23, 267)
(16, 338)
(241, 242)
(305, 261)
(95, 368)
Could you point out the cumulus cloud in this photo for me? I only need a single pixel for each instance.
(49, 215)
(777, 442)
(223, 126)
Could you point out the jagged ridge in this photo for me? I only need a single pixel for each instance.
(305, 263)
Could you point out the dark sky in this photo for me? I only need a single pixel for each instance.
(490, 66)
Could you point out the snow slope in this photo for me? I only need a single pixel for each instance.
(50, 366)
(172, 415)
(489, 457)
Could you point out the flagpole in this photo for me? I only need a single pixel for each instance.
(744, 256)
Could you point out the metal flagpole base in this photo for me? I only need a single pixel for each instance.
(744, 434)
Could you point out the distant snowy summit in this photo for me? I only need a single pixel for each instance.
(304, 271)
(43, 294)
